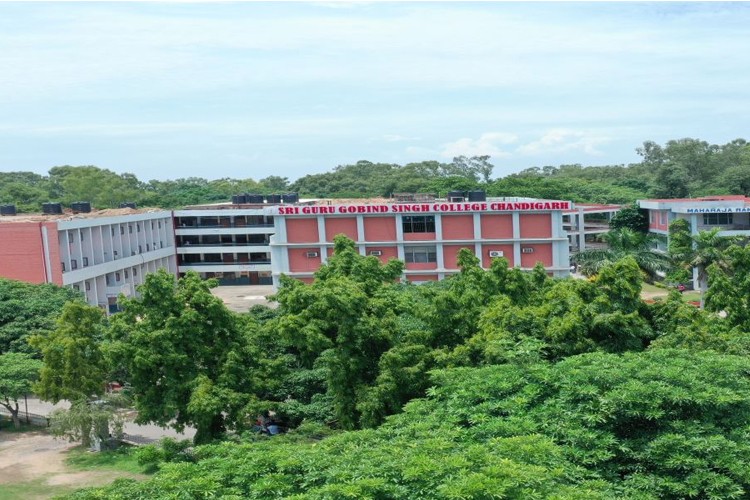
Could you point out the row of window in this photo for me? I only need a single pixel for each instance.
(717, 219)
(74, 262)
(109, 279)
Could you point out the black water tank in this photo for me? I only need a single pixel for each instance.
(238, 199)
(51, 208)
(273, 198)
(128, 204)
(7, 210)
(477, 196)
(254, 198)
(81, 207)
(290, 198)
(455, 196)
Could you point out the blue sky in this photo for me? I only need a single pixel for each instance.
(167, 90)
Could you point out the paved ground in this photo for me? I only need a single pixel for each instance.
(135, 432)
(243, 297)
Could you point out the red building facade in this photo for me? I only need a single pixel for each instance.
(426, 236)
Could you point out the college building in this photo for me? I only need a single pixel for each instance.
(427, 234)
(256, 239)
(101, 254)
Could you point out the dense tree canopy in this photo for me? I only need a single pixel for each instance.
(679, 168)
(27, 309)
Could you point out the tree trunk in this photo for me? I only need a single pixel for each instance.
(13, 413)
(210, 431)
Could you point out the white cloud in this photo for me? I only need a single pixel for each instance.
(560, 140)
(398, 138)
(489, 143)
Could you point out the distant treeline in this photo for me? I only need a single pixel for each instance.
(680, 168)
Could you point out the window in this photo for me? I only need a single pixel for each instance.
(126, 274)
(112, 230)
(419, 223)
(130, 228)
(63, 266)
(85, 261)
(138, 226)
(662, 217)
(81, 233)
(88, 286)
(159, 224)
(152, 225)
(135, 271)
(76, 288)
(116, 253)
(122, 230)
(140, 249)
(73, 264)
(147, 247)
(717, 219)
(117, 277)
(109, 280)
(420, 254)
(71, 238)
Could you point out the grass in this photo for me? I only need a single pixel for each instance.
(688, 296)
(123, 459)
(33, 489)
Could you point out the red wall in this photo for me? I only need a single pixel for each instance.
(536, 225)
(420, 266)
(508, 254)
(341, 225)
(458, 227)
(22, 253)
(380, 228)
(542, 253)
(388, 253)
(419, 236)
(423, 277)
(655, 218)
(300, 262)
(302, 230)
(497, 226)
(450, 255)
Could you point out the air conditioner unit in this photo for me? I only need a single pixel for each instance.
(376, 253)
(312, 254)
(496, 253)
(527, 250)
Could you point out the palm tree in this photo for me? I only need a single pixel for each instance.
(709, 248)
(622, 243)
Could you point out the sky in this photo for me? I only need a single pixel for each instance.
(249, 90)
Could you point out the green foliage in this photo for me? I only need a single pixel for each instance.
(74, 366)
(87, 420)
(27, 309)
(18, 371)
(168, 450)
(630, 217)
(662, 424)
(189, 360)
(623, 243)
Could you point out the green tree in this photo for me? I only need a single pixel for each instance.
(347, 318)
(187, 357)
(630, 217)
(18, 371)
(26, 309)
(622, 243)
(75, 369)
(74, 365)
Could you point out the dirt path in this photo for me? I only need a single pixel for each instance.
(38, 459)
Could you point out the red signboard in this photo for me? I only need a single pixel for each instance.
(443, 207)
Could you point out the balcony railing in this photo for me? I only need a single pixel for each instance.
(238, 244)
(224, 263)
(222, 226)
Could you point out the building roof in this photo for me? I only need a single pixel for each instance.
(720, 197)
(69, 215)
